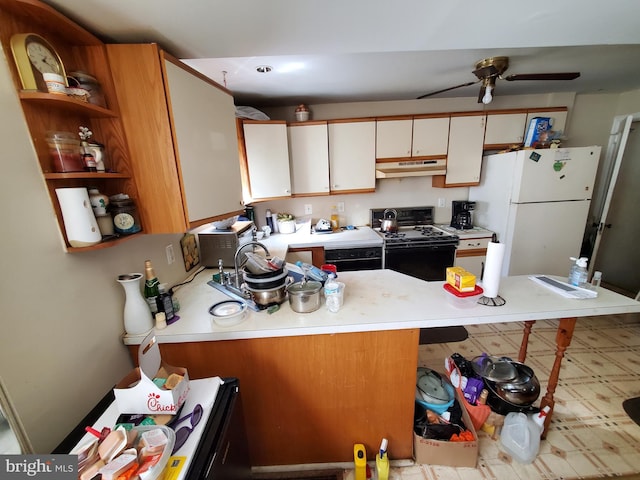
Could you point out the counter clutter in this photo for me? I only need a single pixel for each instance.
(378, 300)
(373, 341)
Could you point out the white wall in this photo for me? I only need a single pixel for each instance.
(60, 347)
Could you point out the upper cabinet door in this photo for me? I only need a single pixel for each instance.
(466, 136)
(205, 130)
(352, 156)
(504, 129)
(393, 138)
(267, 154)
(309, 158)
(430, 136)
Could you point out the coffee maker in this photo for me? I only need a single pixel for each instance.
(461, 214)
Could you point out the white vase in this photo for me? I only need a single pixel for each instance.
(137, 316)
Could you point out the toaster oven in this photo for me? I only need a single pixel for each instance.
(222, 244)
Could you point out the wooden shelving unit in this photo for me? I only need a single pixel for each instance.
(80, 51)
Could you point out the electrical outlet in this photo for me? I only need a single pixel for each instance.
(308, 209)
(340, 207)
(441, 202)
(170, 255)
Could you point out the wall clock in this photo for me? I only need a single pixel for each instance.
(34, 56)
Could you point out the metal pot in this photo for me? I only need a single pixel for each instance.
(389, 222)
(304, 297)
(269, 296)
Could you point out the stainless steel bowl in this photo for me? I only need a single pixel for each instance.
(269, 296)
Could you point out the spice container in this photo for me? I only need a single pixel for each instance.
(125, 215)
(65, 151)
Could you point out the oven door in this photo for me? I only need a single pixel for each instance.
(426, 262)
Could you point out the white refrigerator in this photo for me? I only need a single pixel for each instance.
(537, 202)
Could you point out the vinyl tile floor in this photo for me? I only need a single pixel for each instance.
(590, 435)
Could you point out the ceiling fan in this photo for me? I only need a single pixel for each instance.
(490, 69)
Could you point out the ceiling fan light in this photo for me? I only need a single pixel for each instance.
(486, 99)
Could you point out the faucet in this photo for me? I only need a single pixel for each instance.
(237, 255)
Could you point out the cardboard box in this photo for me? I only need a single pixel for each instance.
(451, 454)
(537, 126)
(137, 393)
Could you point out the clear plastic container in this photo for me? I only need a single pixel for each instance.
(91, 85)
(520, 436)
(65, 151)
(579, 274)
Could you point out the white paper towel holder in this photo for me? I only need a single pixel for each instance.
(494, 261)
(497, 301)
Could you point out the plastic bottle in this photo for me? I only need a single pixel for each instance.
(335, 221)
(314, 272)
(331, 293)
(269, 219)
(151, 286)
(595, 280)
(520, 435)
(164, 303)
(578, 275)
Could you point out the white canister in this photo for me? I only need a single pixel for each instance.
(79, 220)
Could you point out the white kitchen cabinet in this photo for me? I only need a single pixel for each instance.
(430, 136)
(417, 137)
(181, 131)
(471, 254)
(393, 138)
(504, 129)
(352, 156)
(309, 158)
(267, 157)
(207, 144)
(464, 159)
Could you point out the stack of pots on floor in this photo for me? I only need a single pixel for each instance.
(269, 288)
(512, 386)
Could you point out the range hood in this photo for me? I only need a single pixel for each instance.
(411, 168)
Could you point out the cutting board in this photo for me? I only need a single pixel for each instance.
(189, 251)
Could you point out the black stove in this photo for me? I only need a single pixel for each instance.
(415, 226)
(417, 248)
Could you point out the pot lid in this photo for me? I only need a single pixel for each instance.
(305, 287)
(496, 369)
(228, 308)
(430, 387)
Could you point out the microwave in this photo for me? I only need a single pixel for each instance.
(222, 244)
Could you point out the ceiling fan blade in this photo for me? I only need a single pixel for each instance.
(447, 89)
(542, 76)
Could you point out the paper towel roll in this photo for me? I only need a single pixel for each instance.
(79, 221)
(493, 269)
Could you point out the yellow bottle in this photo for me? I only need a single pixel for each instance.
(360, 460)
(335, 220)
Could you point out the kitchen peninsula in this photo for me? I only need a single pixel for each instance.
(317, 383)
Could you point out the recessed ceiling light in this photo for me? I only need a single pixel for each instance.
(263, 68)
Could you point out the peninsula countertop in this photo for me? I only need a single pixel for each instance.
(379, 300)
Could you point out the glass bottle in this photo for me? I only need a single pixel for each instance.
(151, 286)
(335, 220)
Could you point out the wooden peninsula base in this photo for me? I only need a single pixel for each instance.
(308, 399)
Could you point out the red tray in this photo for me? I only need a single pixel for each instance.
(477, 291)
